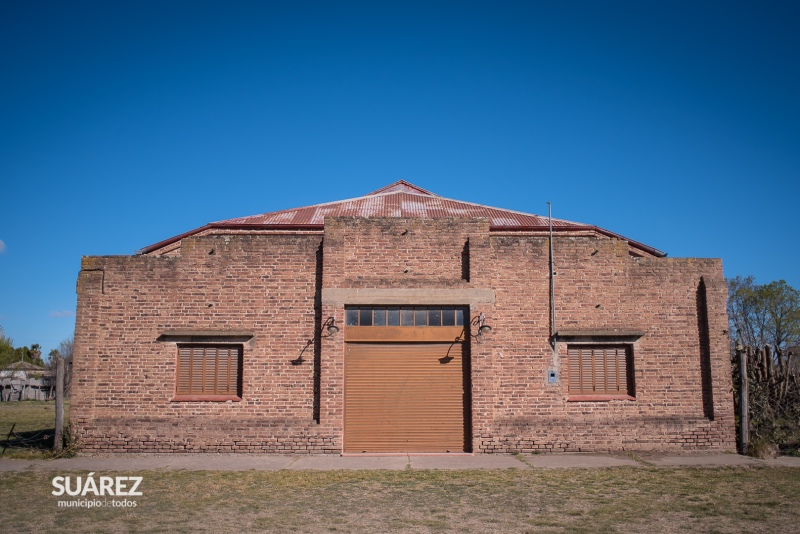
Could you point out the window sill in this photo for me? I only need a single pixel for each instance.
(206, 398)
(599, 398)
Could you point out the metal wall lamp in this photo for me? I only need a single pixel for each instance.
(479, 321)
(328, 326)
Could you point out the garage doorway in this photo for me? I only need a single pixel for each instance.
(406, 388)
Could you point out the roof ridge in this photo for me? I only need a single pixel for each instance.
(402, 186)
(380, 192)
(292, 209)
(27, 366)
(513, 211)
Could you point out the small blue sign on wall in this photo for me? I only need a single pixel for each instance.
(552, 376)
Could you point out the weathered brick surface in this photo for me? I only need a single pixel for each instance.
(269, 284)
(264, 284)
(599, 285)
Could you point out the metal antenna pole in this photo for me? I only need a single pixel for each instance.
(553, 329)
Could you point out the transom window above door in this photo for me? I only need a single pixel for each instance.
(405, 315)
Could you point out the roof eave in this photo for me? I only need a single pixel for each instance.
(171, 240)
(234, 226)
(494, 228)
(579, 227)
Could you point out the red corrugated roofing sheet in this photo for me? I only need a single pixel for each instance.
(400, 199)
(396, 204)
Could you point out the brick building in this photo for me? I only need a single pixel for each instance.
(401, 321)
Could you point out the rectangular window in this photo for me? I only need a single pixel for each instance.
(601, 372)
(449, 317)
(209, 371)
(404, 316)
(352, 317)
(365, 318)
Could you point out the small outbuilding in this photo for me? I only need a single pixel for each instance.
(26, 381)
(401, 321)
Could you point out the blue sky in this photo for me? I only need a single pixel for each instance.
(676, 124)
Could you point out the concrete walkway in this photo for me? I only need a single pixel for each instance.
(246, 462)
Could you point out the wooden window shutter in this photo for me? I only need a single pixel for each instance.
(599, 370)
(209, 370)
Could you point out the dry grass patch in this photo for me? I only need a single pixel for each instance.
(33, 422)
(585, 500)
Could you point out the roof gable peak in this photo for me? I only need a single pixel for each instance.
(401, 186)
(24, 366)
(400, 199)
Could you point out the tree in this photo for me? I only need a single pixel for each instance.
(764, 314)
(8, 354)
(35, 354)
(765, 321)
(65, 350)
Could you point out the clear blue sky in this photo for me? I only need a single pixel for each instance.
(676, 124)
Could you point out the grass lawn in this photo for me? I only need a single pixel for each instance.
(643, 499)
(34, 422)
(626, 500)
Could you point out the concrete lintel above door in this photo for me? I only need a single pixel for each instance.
(419, 297)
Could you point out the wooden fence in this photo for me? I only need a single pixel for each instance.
(767, 396)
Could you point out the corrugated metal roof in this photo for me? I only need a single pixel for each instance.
(400, 199)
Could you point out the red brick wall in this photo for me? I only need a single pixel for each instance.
(401, 253)
(267, 285)
(126, 378)
(599, 285)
